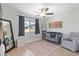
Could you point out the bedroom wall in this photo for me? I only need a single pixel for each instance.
(69, 17)
(10, 13)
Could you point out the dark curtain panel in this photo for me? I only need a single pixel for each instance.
(0, 28)
(0, 23)
(37, 30)
(21, 26)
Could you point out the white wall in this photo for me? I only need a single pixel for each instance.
(10, 13)
(69, 17)
(71, 22)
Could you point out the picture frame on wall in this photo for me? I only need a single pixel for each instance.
(55, 24)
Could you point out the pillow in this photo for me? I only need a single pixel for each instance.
(52, 35)
(58, 36)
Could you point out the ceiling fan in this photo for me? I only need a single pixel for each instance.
(43, 12)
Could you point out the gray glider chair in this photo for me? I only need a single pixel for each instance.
(71, 41)
(54, 37)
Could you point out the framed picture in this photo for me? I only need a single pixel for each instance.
(55, 24)
(7, 35)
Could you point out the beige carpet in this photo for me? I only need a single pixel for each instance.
(42, 47)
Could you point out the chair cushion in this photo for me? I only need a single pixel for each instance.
(65, 36)
(52, 34)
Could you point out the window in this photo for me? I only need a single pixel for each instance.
(26, 25)
(29, 25)
(32, 26)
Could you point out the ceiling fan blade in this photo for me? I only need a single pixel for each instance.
(49, 13)
(41, 11)
(46, 9)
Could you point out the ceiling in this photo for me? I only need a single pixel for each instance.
(30, 8)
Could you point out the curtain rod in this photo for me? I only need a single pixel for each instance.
(27, 17)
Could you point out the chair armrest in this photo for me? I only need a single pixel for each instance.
(65, 37)
(75, 41)
(47, 35)
(75, 45)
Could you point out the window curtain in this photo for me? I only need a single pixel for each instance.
(21, 26)
(37, 30)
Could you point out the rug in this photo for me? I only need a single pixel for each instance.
(42, 47)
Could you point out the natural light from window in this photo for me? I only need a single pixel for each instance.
(29, 25)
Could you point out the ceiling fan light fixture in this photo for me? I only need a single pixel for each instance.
(42, 14)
